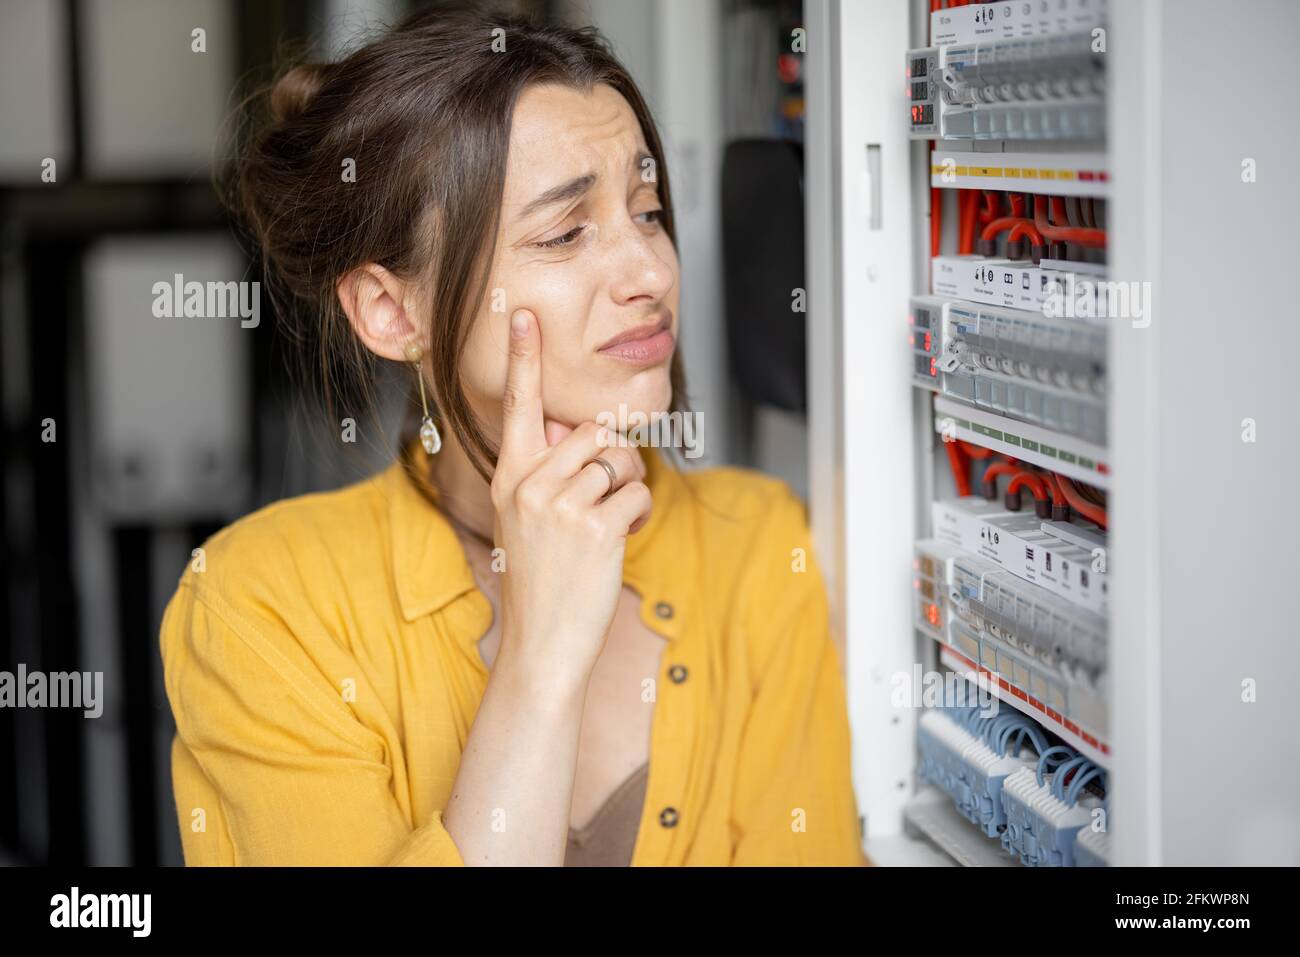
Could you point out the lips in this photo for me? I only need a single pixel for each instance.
(643, 345)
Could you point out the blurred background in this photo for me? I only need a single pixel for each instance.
(128, 439)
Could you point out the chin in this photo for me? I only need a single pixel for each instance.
(648, 393)
(641, 401)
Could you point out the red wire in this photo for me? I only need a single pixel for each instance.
(960, 467)
(1058, 497)
(1003, 223)
(1035, 484)
(1025, 227)
(936, 221)
(977, 452)
(965, 222)
(1094, 513)
(972, 223)
(992, 207)
(1067, 234)
(998, 468)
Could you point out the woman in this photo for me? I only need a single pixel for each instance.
(526, 642)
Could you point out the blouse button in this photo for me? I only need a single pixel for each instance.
(677, 673)
(664, 610)
(668, 817)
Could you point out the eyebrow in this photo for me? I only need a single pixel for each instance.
(570, 190)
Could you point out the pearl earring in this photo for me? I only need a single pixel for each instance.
(429, 436)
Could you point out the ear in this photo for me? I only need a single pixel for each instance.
(377, 304)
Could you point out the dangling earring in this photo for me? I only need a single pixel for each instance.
(429, 436)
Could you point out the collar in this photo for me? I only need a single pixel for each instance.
(431, 570)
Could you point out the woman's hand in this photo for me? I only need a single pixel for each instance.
(563, 535)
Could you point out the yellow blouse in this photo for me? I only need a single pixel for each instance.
(322, 664)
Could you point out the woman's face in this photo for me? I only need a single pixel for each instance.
(580, 246)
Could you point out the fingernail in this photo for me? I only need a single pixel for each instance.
(519, 324)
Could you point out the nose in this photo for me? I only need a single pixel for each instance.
(640, 270)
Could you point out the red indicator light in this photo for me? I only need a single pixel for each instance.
(911, 340)
(927, 342)
(932, 615)
(787, 67)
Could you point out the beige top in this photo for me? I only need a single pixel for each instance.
(610, 837)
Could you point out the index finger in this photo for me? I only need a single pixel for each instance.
(523, 428)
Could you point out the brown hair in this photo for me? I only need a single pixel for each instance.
(425, 113)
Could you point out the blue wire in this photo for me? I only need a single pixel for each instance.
(1076, 786)
(1012, 727)
(1034, 733)
(1037, 736)
(997, 730)
(1045, 756)
(1058, 780)
(1077, 766)
(1013, 748)
(1017, 725)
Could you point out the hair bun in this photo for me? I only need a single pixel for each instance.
(294, 91)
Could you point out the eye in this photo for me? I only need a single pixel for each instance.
(566, 240)
(656, 216)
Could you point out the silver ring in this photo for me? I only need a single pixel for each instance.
(609, 470)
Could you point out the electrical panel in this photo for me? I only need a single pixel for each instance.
(923, 84)
(1025, 365)
(1026, 497)
(1008, 350)
(1041, 88)
(996, 772)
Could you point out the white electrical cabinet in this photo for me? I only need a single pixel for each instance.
(1097, 314)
